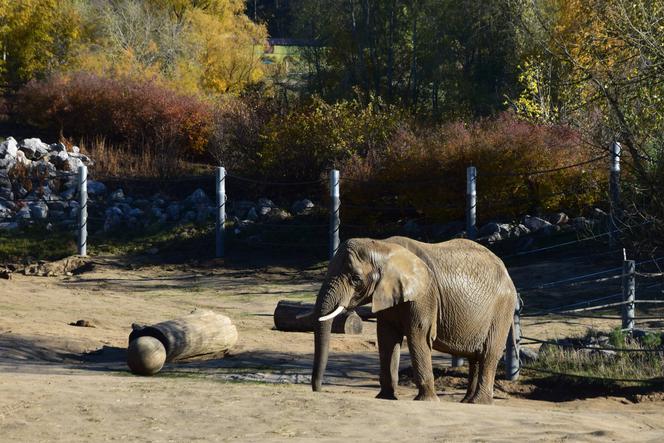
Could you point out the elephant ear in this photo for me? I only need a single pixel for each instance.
(403, 277)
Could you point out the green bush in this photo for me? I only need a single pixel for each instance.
(309, 140)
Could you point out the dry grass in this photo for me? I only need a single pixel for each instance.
(150, 162)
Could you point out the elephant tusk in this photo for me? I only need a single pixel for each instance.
(304, 315)
(333, 314)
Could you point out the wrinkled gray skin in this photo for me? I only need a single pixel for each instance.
(454, 297)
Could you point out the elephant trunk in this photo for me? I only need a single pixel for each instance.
(329, 299)
(322, 333)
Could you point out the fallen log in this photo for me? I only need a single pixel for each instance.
(199, 334)
(300, 317)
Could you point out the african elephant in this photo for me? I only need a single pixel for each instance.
(454, 297)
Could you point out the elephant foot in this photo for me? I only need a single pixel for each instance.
(427, 397)
(479, 400)
(387, 395)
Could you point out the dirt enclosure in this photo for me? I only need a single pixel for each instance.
(60, 382)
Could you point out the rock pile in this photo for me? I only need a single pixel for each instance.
(38, 182)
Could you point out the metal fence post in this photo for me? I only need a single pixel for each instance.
(512, 362)
(471, 202)
(335, 206)
(629, 294)
(614, 190)
(83, 210)
(471, 223)
(221, 211)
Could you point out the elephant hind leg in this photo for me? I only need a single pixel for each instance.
(473, 378)
(488, 362)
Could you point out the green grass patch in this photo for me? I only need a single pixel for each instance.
(37, 243)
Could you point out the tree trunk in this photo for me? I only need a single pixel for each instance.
(300, 317)
(201, 333)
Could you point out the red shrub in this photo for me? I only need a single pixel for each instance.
(130, 112)
(500, 149)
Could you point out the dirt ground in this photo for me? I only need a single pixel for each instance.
(65, 383)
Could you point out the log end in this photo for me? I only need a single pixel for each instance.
(146, 355)
(353, 325)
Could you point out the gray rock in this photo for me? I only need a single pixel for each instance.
(527, 355)
(517, 231)
(5, 211)
(534, 224)
(559, 218)
(82, 158)
(6, 194)
(598, 214)
(23, 213)
(135, 212)
(303, 206)
(8, 226)
(489, 229)
(33, 148)
(173, 211)
(22, 159)
(8, 148)
(96, 188)
(278, 214)
(59, 158)
(56, 215)
(69, 193)
(156, 212)
(198, 197)
(189, 216)
(264, 210)
(57, 147)
(582, 224)
(57, 205)
(494, 238)
(7, 163)
(265, 202)
(252, 215)
(449, 229)
(74, 163)
(118, 195)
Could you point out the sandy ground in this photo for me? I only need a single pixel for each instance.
(64, 383)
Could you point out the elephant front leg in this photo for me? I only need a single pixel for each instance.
(420, 356)
(389, 349)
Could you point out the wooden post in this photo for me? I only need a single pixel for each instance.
(83, 210)
(221, 211)
(629, 294)
(335, 206)
(512, 362)
(614, 190)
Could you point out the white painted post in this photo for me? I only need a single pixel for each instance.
(614, 190)
(629, 294)
(335, 207)
(221, 211)
(512, 362)
(471, 223)
(83, 210)
(471, 202)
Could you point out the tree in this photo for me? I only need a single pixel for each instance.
(37, 37)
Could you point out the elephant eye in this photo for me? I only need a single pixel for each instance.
(356, 280)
